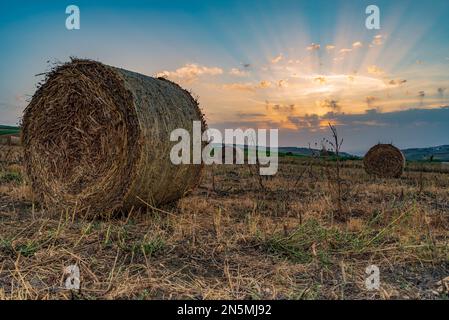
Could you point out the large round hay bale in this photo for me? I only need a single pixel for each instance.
(384, 160)
(97, 138)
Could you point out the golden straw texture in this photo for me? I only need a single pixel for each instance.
(384, 160)
(97, 138)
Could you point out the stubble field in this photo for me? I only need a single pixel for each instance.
(239, 237)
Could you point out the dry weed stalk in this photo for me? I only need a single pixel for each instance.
(335, 180)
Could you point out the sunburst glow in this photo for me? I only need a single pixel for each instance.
(292, 65)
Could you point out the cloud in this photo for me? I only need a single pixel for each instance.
(320, 79)
(345, 50)
(375, 70)
(251, 87)
(330, 47)
(397, 82)
(280, 108)
(404, 128)
(370, 100)
(378, 40)
(238, 73)
(190, 72)
(250, 115)
(315, 85)
(243, 124)
(402, 118)
(277, 59)
(329, 104)
(310, 122)
(264, 84)
(313, 47)
(282, 84)
(357, 44)
(239, 86)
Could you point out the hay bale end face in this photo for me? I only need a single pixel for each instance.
(97, 138)
(384, 160)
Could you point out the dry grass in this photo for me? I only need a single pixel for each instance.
(238, 240)
(11, 154)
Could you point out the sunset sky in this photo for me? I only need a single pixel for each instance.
(292, 65)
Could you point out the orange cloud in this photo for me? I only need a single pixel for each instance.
(313, 47)
(375, 70)
(264, 84)
(239, 86)
(320, 80)
(277, 59)
(378, 40)
(238, 73)
(190, 72)
(345, 50)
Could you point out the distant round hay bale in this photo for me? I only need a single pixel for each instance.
(97, 138)
(384, 160)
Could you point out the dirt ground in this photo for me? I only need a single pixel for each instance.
(239, 237)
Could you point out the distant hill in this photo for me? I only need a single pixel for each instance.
(9, 130)
(439, 153)
(296, 151)
(308, 152)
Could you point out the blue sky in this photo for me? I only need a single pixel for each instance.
(255, 63)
